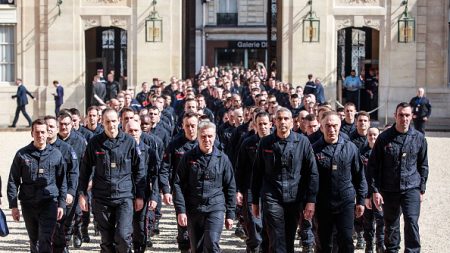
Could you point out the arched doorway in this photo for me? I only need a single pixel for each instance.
(106, 49)
(358, 49)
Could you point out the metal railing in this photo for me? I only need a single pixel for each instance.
(227, 19)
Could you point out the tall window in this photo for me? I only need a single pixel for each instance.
(7, 53)
(6, 1)
(227, 14)
(228, 6)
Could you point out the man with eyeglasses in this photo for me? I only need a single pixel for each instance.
(78, 143)
(285, 177)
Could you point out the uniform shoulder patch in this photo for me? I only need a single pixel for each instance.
(74, 155)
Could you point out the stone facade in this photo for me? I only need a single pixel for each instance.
(403, 67)
(50, 46)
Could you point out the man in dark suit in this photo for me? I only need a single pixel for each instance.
(22, 101)
(59, 96)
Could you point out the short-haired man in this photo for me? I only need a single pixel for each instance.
(421, 108)
(205, 191)
(92, 124)
(352, 85)
(64, 227)
(372, 216)
(118, 181)
(295, 104)
(359, 138)
(285, 176)
(342, 181)
(22, 101)
(245, 159)
(398, 169)
(38, 173)
(78, 143)
(58, 96)
(142, 96)
(181, 144)
(312, 128)
(348, 123)
(149, 157)
(157, 126)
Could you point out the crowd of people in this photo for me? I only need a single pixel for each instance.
(231, 147)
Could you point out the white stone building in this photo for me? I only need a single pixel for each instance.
(46, 40)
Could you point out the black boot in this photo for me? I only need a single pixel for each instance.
(149, 242)
(360, 243)
(380, 248)
(85, 235)
(96, 232)
(239, 232)
(77, 240)
(369, 248)
(140, 249)
(156, 227)
(307, 249)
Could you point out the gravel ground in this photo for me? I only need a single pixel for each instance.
(434, 221)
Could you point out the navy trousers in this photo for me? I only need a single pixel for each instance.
(205, 230)
(40, 222)
(342, 220)
(115, 224)
(280, 221)
(407, 202)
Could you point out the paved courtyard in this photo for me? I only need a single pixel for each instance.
(434, 221)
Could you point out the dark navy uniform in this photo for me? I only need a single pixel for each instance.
(163, 132)
(421, 108)
(235, 140)
(88, 133)
(74, 216)
(40, 178)
(371, 216)
(205, 190)
(245, 159)
(72, 174)
(347, 128)
(285, 176)
(154, 143)
(359, 141)
(398, 168)
(315, 136)
(172, 157)
(341, 181)
(85, 132)
(85, 218)
(119, 176)
(140, 221)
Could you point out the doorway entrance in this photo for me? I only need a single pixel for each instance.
(106, 49)
(358, 49)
